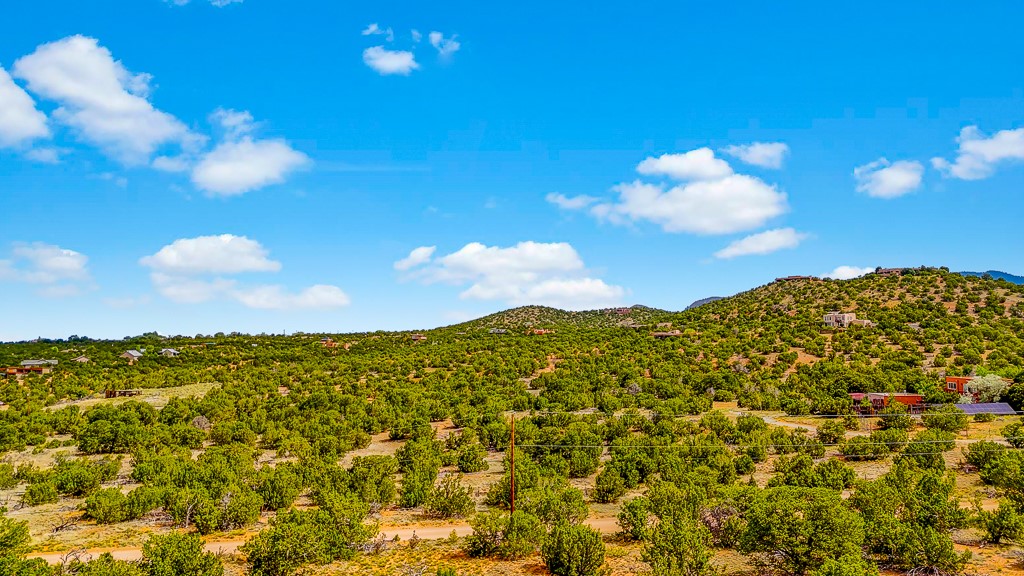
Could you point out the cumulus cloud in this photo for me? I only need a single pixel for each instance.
(848, 272)
(763, 154)
(240, 163)
(418, 256)
(731, 204)
(196, 270)
(20, 121)
(223, 254)
(445, 46)
(57, 271)
(387, 62)
(978, 155)
(762, 243)
(570, 203)
(101, 99)
(710, 199)
(699, 164)
(528, 273)
(884, 179)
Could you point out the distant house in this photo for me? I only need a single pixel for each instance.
(623, 311)
(28, 363)
(497, 331)
(23, 370)
(541, 331)
(169, 353)
(845, 320)
(81, 359)
(664, 325)
(670, 334)
(889, 271)
(418, 337)
(132, 355)
(961, 385)
(328, 343)
(879, 400)
(791, 278)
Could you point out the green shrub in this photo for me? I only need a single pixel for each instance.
(450, 499)
(573, 550)
(40, 493)
(176, 554)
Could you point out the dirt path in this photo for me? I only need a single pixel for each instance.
(603, 525)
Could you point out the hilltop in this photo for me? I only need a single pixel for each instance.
(546, 317)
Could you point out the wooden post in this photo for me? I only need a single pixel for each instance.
(512, 479)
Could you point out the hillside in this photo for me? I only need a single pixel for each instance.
(546, 317)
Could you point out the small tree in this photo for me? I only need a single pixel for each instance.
(635, 518)
(1005, 523)
(450, 499)
(175, 554)
(797, 529)
(680, 547)
(990, 388)
(573, 550)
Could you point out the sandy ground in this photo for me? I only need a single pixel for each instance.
(230, 547)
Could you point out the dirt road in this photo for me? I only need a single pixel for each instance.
(603, 525)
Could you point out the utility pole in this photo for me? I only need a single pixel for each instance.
(512, 478)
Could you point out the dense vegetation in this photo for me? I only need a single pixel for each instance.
(597, 398)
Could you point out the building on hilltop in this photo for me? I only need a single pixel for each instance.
(169, 353)
(132, 355)
(495, 331)
(790, 278)
(418, 337)
(845, 320)
(28, 363)
(663, 335)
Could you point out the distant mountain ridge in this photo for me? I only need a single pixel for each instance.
(704, 301)
(547, 317)
(998, 275)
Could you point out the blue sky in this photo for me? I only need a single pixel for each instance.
(193, 167)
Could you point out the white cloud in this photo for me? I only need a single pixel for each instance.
(416, 35)
(570, 203)
(101, 99)
(731, 204)
(375, 30)
(20, 121)
(528, 273)
(320, 296)
(44, 155)
(699, 164)
(58, 271)
(848, 272)
(240, 163)
(188, 290)
(387, 62)
(193, 270)
(223, 254)
(445, 46)
(763, 154)
(884, 179)
(978, 155)
(415, 258)
(234, 168)
(762, 243)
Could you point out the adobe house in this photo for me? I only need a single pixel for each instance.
(418, 337)
(132, 356)
(961, 385)
(81, 359)
(541, 331)
(880, 400)
(845, 320)
(663, 335)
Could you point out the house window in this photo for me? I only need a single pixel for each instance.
(951, 386)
